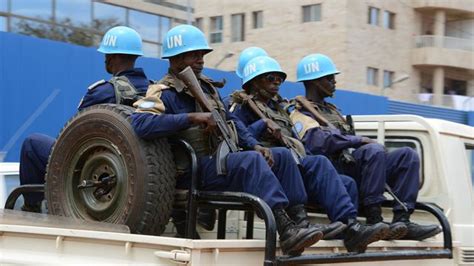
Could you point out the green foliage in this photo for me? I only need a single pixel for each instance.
(66, 31)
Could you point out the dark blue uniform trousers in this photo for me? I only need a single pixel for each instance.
(246, 172)
(33, 160)
(325, 187)
(375, 166)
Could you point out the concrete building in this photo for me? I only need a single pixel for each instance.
(83, 22)
(402, 49)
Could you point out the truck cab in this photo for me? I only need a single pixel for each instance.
(9, 179)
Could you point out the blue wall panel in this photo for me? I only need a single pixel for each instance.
(396, 107)
(36, 73)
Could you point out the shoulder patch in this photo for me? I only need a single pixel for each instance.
(97, 84)
(146, 105)
(298, 126)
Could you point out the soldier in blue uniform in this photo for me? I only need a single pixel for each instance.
(121, 46)
(373, 167)
(261, 110)
(169, 108)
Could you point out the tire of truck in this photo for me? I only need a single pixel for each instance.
(100, 170)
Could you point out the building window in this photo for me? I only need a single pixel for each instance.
(257, 19)
(388, 20)
(4, 6)
(216, 29)
(372, 74)
(165, 26)
(312, 13)
(114, 15)
(41, 9)
(198, 23)
(77, 12)
(373, 16)
(145, 24)
(387, 78)
(238, 28)
(3, 23)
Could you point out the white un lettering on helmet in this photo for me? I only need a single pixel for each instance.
(311, 67)
(249, 69)
(175, 41)
(110, 40)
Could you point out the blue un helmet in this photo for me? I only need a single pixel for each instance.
(261, 65)
(182, 39)
(246, 55)
(315, 66)
(121, 40)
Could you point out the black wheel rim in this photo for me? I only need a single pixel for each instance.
(97, 160)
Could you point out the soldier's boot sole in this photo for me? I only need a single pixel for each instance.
(381, 230)
(300, 241)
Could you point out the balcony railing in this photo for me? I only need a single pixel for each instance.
(444, 42)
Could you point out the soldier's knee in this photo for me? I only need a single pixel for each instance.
(281, 154)
(376, 147)
(29, 142)
(253, 156)
(373, 151)
(322, 159)
(410, 154)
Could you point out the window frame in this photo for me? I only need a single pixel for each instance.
(390, 23)
(375, 76)
(240, 37)
(470, 148)
(313, 15)
(198, 23)
(257, 16)
(391, 74)
(377, 19)
(216, 32)
(406, 139)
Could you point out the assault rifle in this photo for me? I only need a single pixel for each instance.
(284, 139)
(226, 142)
(346, 155)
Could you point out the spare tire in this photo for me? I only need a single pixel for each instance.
(100, 170)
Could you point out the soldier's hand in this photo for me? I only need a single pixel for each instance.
(266, 152)
(366, 140)
(273, 128)
(204, 119)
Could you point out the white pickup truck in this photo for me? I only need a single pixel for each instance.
(447, 152)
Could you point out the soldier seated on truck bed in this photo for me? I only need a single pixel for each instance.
(121, 46)
(260, 110)
(195, 112)
(370, 164)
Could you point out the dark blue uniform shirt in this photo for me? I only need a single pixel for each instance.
(104, 92)
(177, 103)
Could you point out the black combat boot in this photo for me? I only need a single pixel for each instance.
(31, 207)
(298, 214)
(178, 218)
(294, 239)
(207, 218)
(374, 216)
(359, 236)
(415, 231)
